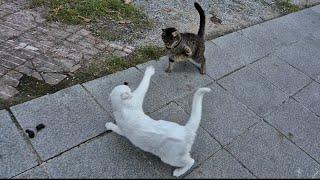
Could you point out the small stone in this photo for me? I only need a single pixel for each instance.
(115, 46)
(39, 127)
(128, 51)
(30, 133)
(31, 48)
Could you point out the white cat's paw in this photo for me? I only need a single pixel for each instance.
(109, 126)
(178, 172)
(150, 70)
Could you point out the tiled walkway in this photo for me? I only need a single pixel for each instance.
(262, 118)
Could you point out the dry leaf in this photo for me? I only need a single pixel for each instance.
(124, 22)
(127, 1)
(85, 19)
(215, 19)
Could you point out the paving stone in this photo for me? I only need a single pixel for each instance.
(7, 91)
(305, 22)
(8, 80)
(58, 33)
(272, 34)
(304, 56)
(23, 54)
(7, 32)
(25, 19)
(38, 172)
(221, 165)
(268, 154)
(218, 62)
(237, 45)
(223, 116)
(310, 97)
(281, 74)
(10, 61)
(203, 147)
(53, 78)
(102, 87)
(71, 117)
(316, 9)
(15, 155)
(3, 70)
(184, 78)
(253, 90)
(303, 128)
(109, 156)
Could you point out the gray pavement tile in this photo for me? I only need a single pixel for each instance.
(299, 124)
(15, 155)
(253, 90)
(272, 34)
(71, 116)
(303, 55)
(38, 172)
(268, 154)
(102, 87)
(223, 116)
(218, 62)
(184, 78)
(281, 74)
(221, 165)
(310, 97)
(316, 9)
(108, 156)
(237, 45)
(203, 147)
(304, 22)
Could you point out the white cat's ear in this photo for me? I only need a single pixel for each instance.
(175, 33)
(126, 96)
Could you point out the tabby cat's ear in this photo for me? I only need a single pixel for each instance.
(175, 33)
(163, 30)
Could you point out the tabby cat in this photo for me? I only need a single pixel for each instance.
(182, 46)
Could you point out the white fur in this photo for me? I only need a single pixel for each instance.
(168, 140)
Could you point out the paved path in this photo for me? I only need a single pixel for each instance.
(46, 51)
(262, 118)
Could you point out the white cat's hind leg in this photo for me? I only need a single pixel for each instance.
(188, 163)
(114, 128)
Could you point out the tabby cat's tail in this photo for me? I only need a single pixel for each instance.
(202, 19)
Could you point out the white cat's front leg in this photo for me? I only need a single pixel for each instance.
(114, 128)
(142, 89)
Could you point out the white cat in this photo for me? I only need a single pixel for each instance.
(168, 140)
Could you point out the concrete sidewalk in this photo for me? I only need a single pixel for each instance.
(261, 120)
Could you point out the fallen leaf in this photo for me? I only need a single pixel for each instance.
(127, 1)
(215, 19)
(124, 22)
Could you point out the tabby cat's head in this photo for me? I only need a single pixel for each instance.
(171, 37)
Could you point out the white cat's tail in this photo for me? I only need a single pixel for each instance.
(195, 116)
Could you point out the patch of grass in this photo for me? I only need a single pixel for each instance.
(307, 6)
(287, 7)
(85, 11)
(101, 67)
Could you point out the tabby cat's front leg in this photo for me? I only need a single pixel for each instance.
(203, 65)
(170, 67)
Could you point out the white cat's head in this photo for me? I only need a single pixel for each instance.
(120, 95)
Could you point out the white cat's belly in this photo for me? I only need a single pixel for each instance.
(162, 138)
